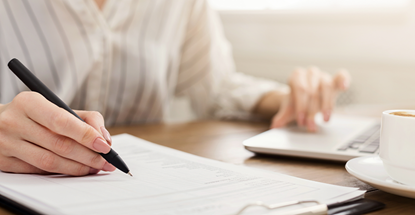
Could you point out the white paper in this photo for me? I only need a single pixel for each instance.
(166, 181)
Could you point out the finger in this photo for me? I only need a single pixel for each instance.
(61, 121)
(48, 161)
(15, 165)
(299, 85)
(314, 79)
(327, 100)
(285, 115)
(342, 80)
(96, 120)
(282, 118)
(314, 76)
(63, 146)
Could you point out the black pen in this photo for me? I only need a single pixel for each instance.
(34, 84)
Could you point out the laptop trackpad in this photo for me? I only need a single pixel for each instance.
(330, 135)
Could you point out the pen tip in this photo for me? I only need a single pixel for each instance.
(129, 173)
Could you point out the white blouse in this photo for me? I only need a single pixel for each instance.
(129, 60)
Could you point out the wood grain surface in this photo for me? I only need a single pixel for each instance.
(222, 140)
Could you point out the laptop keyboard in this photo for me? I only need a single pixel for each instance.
(368, 142)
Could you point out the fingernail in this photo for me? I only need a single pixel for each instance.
(108, 167)
(300, 119)
(345, 85)
(101, 145)
(326, 115)
(311, 125)
(93, 171)
(106, 134)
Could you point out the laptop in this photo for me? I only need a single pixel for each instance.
(340, 139)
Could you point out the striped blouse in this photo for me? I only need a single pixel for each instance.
(128, 60)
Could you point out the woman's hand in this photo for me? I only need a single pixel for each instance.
(36, 136)
(312, 91)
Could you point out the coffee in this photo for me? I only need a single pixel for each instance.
(403, 113)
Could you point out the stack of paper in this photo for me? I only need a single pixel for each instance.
(166, 181)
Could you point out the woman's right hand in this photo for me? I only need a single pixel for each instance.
(36, 136)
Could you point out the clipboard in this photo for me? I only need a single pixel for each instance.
(357, 207)
(163, 170)
(361, 206)
(16, 207)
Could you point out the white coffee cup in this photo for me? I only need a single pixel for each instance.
(397, 145)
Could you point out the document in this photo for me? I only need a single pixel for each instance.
(166, 182)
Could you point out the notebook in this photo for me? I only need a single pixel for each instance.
(340, 139)
(166, 181)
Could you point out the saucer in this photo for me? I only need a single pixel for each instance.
(370, 170)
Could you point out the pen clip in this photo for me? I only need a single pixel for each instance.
(311, 210)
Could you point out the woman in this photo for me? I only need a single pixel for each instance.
(126, 60)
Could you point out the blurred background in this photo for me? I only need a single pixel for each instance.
(373, 39)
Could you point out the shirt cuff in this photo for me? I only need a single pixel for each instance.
(239, 102)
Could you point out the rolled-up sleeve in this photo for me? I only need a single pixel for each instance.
(207, 72)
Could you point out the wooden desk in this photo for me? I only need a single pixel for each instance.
(222, 140)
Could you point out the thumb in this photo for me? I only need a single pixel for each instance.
(284, 115)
